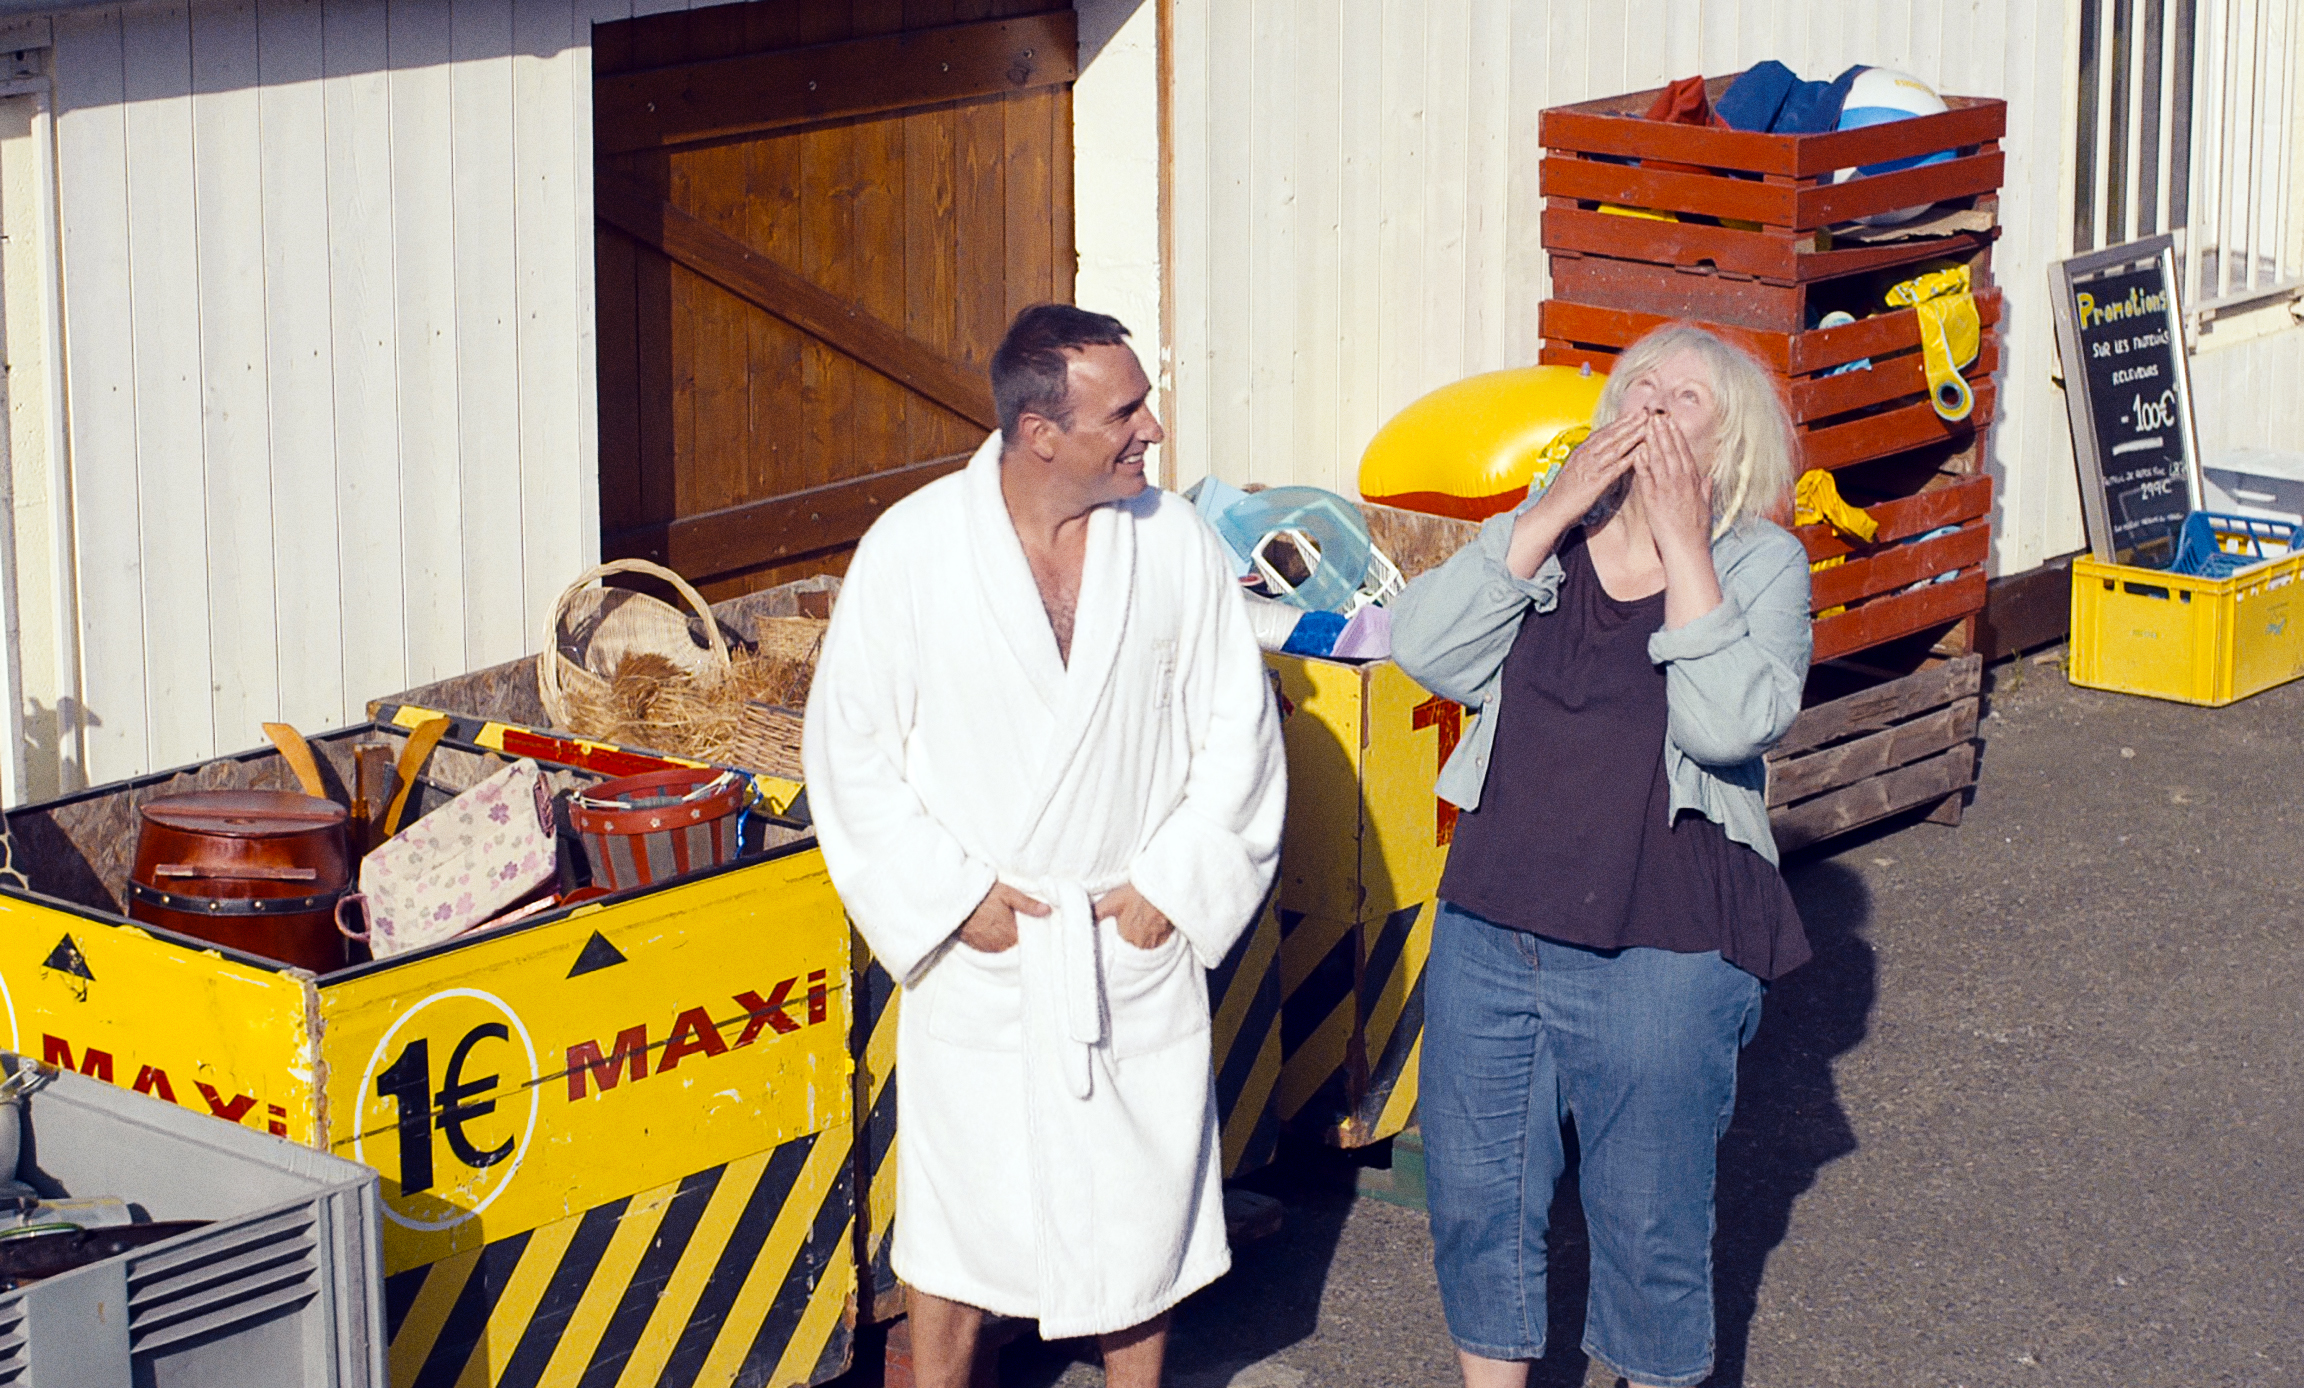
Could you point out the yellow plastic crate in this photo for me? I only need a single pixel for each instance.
(2195, 640)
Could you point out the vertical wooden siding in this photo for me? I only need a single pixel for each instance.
(1356, 210)
(327, 284)
(2250, 394)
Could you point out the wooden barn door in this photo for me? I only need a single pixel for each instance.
(815, 218)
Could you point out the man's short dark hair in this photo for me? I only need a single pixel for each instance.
(1030, 371)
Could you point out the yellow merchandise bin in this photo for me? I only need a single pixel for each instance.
(615, 1141)
(1359, 879)
(2194, 640)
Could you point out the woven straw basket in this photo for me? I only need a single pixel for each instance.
(604, 626)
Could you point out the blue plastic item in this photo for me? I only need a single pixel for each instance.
(1315, 634)
(1331, 523)
(2200, 551)
(1841, 318)
(1770, 96)
(1210, 496)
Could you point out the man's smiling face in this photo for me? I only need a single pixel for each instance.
(1102, 454)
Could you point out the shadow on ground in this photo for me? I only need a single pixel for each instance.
(1269, 1301)
(1789, 1123)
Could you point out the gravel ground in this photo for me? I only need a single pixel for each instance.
(2031, 1117)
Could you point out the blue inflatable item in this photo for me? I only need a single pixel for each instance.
(1333, 525)
(1881, 95)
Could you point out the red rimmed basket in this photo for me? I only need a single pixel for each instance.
(640, 830)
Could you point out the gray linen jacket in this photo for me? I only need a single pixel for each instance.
(1732, 677)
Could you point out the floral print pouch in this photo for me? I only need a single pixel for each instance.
(457, 867)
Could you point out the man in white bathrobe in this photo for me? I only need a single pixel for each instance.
(1047, 778)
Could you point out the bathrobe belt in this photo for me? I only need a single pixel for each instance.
(1063, 975)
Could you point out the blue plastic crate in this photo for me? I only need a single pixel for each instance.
(2214, 545)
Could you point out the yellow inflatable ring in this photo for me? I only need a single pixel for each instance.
(1470, 449)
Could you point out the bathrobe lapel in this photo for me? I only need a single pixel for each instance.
(1073, 692)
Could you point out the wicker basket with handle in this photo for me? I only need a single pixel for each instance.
(595, 630)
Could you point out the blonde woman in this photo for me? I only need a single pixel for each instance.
(1635, 637)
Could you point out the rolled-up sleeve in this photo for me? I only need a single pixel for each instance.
(1453, 626)
(1733, 676)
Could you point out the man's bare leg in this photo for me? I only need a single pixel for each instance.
(944, 1336)
(1132, 1357)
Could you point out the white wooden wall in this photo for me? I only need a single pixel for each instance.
(327, 331)
(327, 326)
(1356, 210)
(2250, 394)
(1116, 170)
(326, 405)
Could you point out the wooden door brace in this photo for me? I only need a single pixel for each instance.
(708, 251)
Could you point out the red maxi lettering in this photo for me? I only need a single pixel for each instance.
(692, 1032)
(56, 1051)
(584, 1058)
(232, 1110)
(766, 1013)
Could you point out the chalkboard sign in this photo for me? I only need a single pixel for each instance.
(2121, 335)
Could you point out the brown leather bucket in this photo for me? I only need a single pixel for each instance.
(252, 870)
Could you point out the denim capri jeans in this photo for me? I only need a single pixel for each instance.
(1639, 1047)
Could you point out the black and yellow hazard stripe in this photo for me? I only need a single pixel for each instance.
(1244, 993)
(1319, 1015)
(741, 1273)
(876, 1002)
(1392, 1020)
(1352, 1022)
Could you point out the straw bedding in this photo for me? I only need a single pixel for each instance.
(649, 700)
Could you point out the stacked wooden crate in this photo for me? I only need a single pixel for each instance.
(1749, 250)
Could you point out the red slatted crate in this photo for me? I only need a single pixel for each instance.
(1847, 418)
(1785, 186)
(1761, 248)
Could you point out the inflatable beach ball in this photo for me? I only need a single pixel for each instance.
(1470, 449)
(1880, 95)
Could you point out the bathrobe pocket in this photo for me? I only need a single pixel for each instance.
(1155, 997)
(977, 999)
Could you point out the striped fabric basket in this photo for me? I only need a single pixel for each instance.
(640, 830)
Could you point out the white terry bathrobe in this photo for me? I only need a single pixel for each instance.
(1056, 1125)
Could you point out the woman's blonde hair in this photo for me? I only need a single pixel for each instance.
(1752, 451)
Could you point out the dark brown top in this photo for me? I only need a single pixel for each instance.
(244, 813)
(1574, 837)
